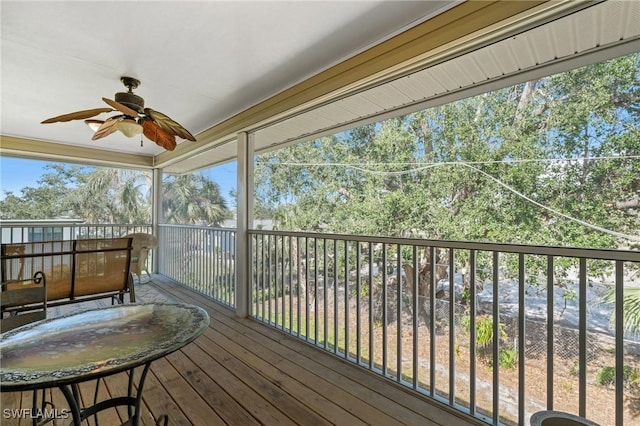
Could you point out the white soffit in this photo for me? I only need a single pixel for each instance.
(603, 31)
(593, 32)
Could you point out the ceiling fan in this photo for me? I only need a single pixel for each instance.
(133, 120)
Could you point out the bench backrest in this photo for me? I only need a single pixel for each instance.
(29, 295)
(74, 268)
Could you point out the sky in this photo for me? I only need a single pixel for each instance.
(18, 173)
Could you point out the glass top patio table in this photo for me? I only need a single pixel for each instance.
(88, 345)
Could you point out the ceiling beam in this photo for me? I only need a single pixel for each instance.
(29, 148)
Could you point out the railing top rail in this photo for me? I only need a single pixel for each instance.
(39, 224)
(109, 225)
(605, 254)
(171, 225)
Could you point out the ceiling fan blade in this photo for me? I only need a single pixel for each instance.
(168, 125)
(78, 115)
(157, 134)
(106, 128)
(122, 108)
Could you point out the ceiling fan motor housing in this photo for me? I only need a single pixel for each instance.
(131, 100)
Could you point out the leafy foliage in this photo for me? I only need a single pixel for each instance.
(631, 307)
(606, 376)
(106, 195)
(97, 195)
(544, 162)
(193, 199)
(43, 200)
(549, 162)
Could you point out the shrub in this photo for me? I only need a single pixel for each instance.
(606, 376)
(484, 331)
(508, 358)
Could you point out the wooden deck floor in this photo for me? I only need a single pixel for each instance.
(240, 372)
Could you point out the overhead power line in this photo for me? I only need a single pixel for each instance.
(469, 165)
(413, 164)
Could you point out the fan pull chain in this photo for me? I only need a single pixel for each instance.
(141, 141)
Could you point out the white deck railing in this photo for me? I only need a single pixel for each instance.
(558, 345)
(60, 230)
(201, 258)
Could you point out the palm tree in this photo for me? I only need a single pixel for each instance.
(108, 195)
(193, 199)
(630, 307)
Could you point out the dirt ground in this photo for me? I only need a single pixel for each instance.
(600, 398)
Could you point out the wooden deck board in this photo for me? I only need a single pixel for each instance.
(158, 401)
(10, 401)
(322, 406)
(241, 372)
(215, 395)
(192, 404)
(117, 385)
(220, 378)
(243, 364)
(281, 366)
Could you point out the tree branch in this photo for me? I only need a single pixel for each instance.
(630, 204)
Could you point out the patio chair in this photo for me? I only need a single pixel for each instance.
(141, 244)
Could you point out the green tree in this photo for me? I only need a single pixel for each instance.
(593, 115)
(630, 307)
(530, 163)
(108, 195)
(547, 162)
(193, 199)
(44, 201)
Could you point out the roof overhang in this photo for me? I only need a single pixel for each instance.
(439, 61)
(471, 48)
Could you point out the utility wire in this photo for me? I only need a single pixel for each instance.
(496, 180)
(514, 161)
(581, 222)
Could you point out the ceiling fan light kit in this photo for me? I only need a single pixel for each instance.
(130, 128)
(93, 124)
(134, 119)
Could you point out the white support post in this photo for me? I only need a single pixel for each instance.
(244, 215)
(156, 211)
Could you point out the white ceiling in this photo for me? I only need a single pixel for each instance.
(603, 31)
(199, 62)
(529, 50)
